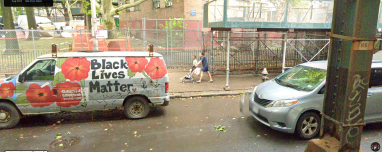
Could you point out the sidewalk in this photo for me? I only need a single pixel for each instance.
(237, 83)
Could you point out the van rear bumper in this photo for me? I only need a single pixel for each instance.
(160, 101)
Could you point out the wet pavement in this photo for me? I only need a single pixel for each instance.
(185, 125)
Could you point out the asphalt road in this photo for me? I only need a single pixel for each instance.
(184, 125)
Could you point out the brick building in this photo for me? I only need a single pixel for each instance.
(153, 14)
(190, 10)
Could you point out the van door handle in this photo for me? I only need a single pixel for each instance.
(54, 92)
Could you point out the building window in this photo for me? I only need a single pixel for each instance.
(169, 3)
(156, 4)
(138, 7)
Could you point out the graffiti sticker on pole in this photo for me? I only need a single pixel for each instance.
(363, 45)
(101, 34)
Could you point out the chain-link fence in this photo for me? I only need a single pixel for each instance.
(249, 51)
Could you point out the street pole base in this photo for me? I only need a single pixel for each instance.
(326, 144)
(227, 88)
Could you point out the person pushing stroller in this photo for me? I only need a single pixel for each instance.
(193, 71)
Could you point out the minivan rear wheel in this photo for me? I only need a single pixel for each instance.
(308, 125)
(136, 108)
(9, 115)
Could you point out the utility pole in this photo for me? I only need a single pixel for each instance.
(94, 24)
(352, 42)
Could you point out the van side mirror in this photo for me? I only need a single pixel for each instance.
(22, 77)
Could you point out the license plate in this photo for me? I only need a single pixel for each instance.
(243, 99)
(255, 109)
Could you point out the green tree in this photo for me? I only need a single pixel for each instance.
(176, 27)
(11, 42)
(108, 11)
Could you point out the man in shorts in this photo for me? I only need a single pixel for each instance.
(204, 62)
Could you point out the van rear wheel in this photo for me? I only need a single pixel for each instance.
(308, 125)
(136, 108)
(9, 115)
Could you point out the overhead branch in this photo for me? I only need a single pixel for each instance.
(120, 8)
(75, 2)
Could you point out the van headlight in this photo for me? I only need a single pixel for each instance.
(282, 103)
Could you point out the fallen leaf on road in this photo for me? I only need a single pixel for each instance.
(34, 136)
(206, 117)
(125, 143)
(122, 151)
(61, 145)
(106, 129)
(167, 127)
(58, 136)
(22, 137)
(242, 117)
(135, 132)
(233, 118)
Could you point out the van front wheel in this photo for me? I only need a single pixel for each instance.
(9, 115)
(136, 108)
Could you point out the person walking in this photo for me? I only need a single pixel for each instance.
(204, 62)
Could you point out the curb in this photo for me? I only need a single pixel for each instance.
(225, 93)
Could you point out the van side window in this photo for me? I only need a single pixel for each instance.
(41, 70)
(322, 91)
(376, 77)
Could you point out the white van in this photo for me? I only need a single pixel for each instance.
(85, 81)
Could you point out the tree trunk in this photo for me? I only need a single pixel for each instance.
(31, 23)
(11, 42)
(66, 14)
(13, 14)
(67, 5)
(108, 22)
(30, 18)
(88, 18)
(47, 12)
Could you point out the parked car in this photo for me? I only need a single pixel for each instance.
(292, 101)
(85, 81)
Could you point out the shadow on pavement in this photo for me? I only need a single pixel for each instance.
(45, 120)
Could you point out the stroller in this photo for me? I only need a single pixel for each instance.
(190, 75)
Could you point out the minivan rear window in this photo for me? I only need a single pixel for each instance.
(302, 78)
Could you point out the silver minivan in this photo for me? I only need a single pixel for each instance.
(292, 101)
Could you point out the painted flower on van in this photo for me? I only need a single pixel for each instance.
(40, 96)
(136, 64)
(156, 68)
(75, 69)
(7, 89)
(68, 94)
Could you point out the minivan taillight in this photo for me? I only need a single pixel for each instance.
(166, 87)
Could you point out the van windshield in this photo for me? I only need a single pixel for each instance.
(302, 78)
